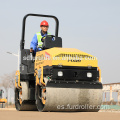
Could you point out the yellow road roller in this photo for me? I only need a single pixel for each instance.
(2, 100)
(56, 78)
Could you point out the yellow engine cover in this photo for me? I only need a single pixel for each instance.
(65, 57)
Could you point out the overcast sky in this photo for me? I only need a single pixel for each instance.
(92, 26)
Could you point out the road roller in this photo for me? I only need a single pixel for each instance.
(3, 101)
(57, 79)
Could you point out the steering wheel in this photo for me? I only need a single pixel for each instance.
(42, 39)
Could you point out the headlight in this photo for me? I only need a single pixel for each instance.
(60, 73)
(89, 75)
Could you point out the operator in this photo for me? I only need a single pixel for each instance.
(36, 41)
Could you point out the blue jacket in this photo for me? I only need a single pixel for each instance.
(34, 42)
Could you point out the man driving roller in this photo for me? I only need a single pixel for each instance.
(36, 42)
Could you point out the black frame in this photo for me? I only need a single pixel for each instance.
(37, 15)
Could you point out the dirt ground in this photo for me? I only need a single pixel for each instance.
(35, 115)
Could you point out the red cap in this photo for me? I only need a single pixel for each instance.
(45, 23)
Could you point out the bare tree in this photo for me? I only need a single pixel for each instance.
(8, 80)
(5, 82)
(12, 80)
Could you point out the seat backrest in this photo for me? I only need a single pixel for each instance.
(50, 43)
